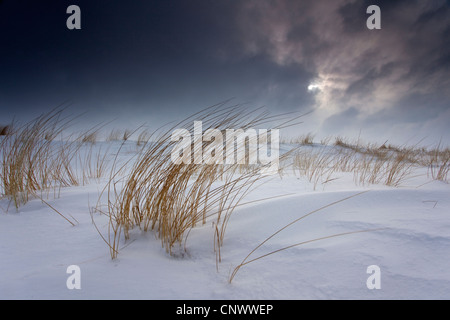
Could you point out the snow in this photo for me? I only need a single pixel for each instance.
(410, 244)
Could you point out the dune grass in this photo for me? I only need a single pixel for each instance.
(369, 163)
(246, 260)
(5, 130)
(438, 162)
(170, 198)
(33, 161)
(37, 158)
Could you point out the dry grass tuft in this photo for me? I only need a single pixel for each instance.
(114, 135)
(438, 162)
(118, 135)
(305, 139)
(169, 198)
(369, 163)
(143, 138)
(90, 137)
(126, 134)
(37, 158)
(5, 130)
(32, 161)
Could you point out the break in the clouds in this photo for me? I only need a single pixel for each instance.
(372, 79)
(153, 61)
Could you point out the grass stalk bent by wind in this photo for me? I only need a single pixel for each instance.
(171, 198)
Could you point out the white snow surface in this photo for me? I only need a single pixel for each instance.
(411, 246)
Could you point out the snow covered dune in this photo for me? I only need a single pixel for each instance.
(410, 248)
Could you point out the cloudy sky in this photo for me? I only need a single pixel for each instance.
(155, 61)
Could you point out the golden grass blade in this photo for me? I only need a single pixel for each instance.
(59, 213)
(297, 220)
(233, 274)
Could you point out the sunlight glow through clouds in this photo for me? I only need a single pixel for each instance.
(314, 87)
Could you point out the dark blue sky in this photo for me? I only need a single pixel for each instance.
(155, 61)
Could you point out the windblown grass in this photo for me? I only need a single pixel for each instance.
(119, 135)
(438, 163)
(143, 138)
(36, 158)
(369, 163)
(93, 163)
(5, 130)
(31, 159)
(305, 139)
(247, 259)
(315, 165)
(114, 135)
(170, 198)
(89, 137)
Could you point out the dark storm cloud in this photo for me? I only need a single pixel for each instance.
(158, 59)
(151, 58)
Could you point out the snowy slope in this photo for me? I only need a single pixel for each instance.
(411, 247)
